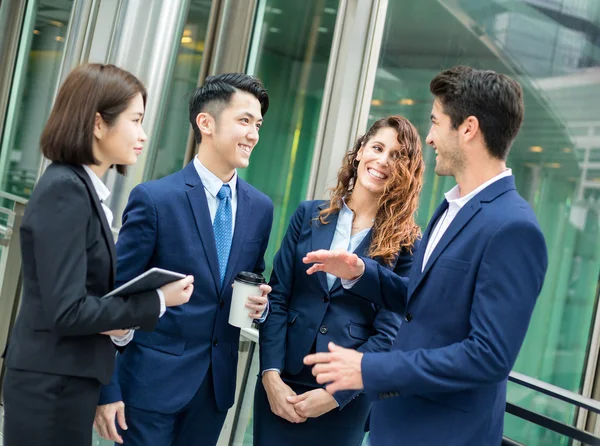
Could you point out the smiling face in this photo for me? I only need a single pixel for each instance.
(122, 142)
(375, 160)
(450, 159)
(228, 139)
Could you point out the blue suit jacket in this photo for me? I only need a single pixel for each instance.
(466, 315)
(303, 309)
(167, 224)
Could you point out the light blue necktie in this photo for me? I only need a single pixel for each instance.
(222, 229)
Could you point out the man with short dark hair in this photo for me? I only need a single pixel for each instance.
(173, 386)
(468, 300)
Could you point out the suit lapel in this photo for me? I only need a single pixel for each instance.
(106, 231)
(487, 195)
(197, 198)
(462, 218)
(239, 234)
(418, 258)
(321, 237)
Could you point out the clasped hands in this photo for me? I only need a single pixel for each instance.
(294, 408)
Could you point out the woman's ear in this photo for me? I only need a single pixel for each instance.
(99, 126)
(359, 153)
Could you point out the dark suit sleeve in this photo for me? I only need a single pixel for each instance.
(137, 236)
(385, 327)
(259, 268)
(509, 281)
(59, 229)
(383, 287)
(274, 330)
(135, 246)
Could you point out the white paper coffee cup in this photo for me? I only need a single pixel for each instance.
(245, 284)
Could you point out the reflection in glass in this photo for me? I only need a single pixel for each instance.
(552, 48)
(173, 134)
(34, 85)
(290, 55)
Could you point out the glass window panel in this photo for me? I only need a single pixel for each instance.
(35, 80)
(291, 45)
(290, 55)
(551, 48)
(173, 134)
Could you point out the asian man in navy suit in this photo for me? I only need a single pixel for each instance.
(173, 386)
(468, 299)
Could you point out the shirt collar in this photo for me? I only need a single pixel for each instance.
(213, 183)
(99, 186)
(345, 209)
(453, 195)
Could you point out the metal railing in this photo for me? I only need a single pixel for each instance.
(548, 423)
(11, 216)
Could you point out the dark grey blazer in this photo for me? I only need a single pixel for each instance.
(68, 262)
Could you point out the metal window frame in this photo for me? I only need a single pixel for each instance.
(348, 90)
(78, 43)
(12, 14)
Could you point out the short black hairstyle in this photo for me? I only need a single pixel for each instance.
(216, 92)
(89, 89)
(495, 99)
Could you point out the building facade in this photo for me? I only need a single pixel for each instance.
(332, 67)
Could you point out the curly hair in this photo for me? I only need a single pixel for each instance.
(394, 228)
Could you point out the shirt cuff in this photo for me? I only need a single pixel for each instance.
(347, 284)
(122, 341)
(268, 370)
(161, 297)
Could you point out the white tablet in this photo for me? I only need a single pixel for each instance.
(150, 280)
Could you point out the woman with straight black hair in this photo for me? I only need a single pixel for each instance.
(62, 347)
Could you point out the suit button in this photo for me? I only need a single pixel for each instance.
(323, 329)
(221, 303)
(326, 299)
(215, 342)
(408, 317)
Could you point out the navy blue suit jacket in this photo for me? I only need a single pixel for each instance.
(304, 310)
(167, 224)
(466, 315)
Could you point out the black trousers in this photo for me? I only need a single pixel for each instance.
(49, 410)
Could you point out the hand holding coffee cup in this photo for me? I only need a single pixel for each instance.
(258, 304)
(249, 299)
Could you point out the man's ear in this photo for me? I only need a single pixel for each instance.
(205, 123)
(469, 129)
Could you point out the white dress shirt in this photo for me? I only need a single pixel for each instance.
(455, 204)
(212, 186)
(342, 239)
(103, 194)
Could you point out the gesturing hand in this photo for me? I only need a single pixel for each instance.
(339, 262)
(341, 368)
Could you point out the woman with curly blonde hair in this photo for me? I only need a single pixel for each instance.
(371, 212)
